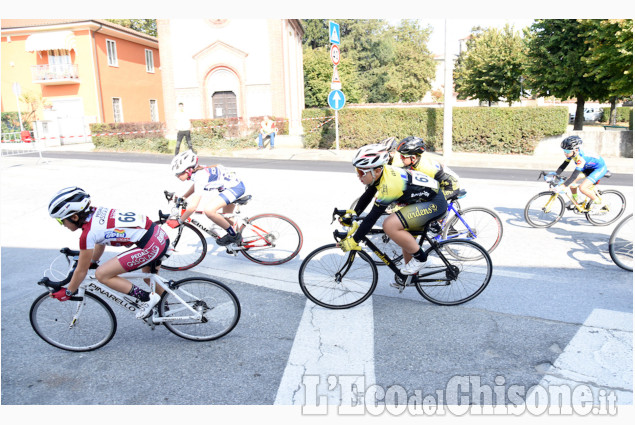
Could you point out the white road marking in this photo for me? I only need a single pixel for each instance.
(329, 343)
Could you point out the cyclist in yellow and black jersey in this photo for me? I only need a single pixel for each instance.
(411, 151)
(421, 195)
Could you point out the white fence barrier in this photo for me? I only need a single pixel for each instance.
(14, 144)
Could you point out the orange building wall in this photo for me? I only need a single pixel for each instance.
(129, 80)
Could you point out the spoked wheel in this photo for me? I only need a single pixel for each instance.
(189, 246)
(544, 209)
(451, 281)
(481, 225)
(73, 325)
(335, 279)
(614, 205)
(217, 303)
(621, 244)
(271, 239)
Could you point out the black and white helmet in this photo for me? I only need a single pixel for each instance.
(69, 201)
(371, 156)
(571, 142)
(411, 145)
(390, 144)
(183, 161)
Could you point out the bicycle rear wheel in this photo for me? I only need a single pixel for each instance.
(614, 204)
(63, 325)
(271, 239)
(621, 244)
(335, 279)
(189, 246)
(214, 300)
(544, 209)
(453, 281)
(479, 224)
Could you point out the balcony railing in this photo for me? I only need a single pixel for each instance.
(55, 74)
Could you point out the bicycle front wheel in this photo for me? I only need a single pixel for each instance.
(218, 305)
(73, 325)
(271, 239)
(544, 209)
(335, 279)
(482, 225)
(453, 281)
(189, 246)
(621, 244)
(614, 204)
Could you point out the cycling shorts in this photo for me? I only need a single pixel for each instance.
(415, 216)
(230, 195)
(150, 248)
(595, 174)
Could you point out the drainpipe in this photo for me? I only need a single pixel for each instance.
(99, 94)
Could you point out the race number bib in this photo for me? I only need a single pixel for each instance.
(421, 179)
(129, 219)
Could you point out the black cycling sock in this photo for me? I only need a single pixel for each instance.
(139, 293)
(231, 231)
(420, 255)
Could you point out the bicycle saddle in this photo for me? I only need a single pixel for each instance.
(457, 194)
(243, 200)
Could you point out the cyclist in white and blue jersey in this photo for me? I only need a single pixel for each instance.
(217, 186)
(588, 166)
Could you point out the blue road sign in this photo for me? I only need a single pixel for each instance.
(334, 32)
(337, 99)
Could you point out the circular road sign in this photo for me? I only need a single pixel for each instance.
(335, 54)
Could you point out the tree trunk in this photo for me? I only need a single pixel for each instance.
(579, 114)
(613, 115)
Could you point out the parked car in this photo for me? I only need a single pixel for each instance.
(590, 114)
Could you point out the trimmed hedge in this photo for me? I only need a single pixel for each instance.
(148, 137)
(475, 129)
(624, 114)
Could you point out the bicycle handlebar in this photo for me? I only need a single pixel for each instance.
(54, 286)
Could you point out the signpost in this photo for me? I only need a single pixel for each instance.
(336, 97)
(17, 90)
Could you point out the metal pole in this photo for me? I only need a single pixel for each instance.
(447, 98)
(337, 133)
(17, 101)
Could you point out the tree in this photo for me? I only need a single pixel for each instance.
(146, 26)
(610, 57)
(412, 68)
(556, 64)
(316, 33)
(490, 69)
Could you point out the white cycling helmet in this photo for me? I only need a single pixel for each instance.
(68, 201)
(183, 161)
(371, 156)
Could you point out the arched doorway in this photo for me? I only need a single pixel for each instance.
(223, 92)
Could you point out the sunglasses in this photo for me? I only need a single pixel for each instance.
(568, 150)
(361, 173)
(60, 221)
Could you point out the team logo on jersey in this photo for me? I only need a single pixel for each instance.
(115, 234)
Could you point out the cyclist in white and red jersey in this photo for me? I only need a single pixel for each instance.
(215, 185)
(101, 226)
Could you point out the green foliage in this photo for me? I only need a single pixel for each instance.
(142, 136)
(379, 63)
(610, 54)
(490, 69)
(623, 114)
(146, 26)
(490, 130)
(11, 123)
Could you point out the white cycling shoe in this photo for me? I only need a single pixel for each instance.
(413, 266)
(146, 307)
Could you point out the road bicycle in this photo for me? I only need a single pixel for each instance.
(621, 244)
(194, 308)
(547, 208)
(475, 223)
(456, 271)
(268, 239)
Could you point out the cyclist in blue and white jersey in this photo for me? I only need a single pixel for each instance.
(588, 166)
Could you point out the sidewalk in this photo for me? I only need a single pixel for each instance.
(457, 159)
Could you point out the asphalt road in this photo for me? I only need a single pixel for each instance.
(557, 310)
